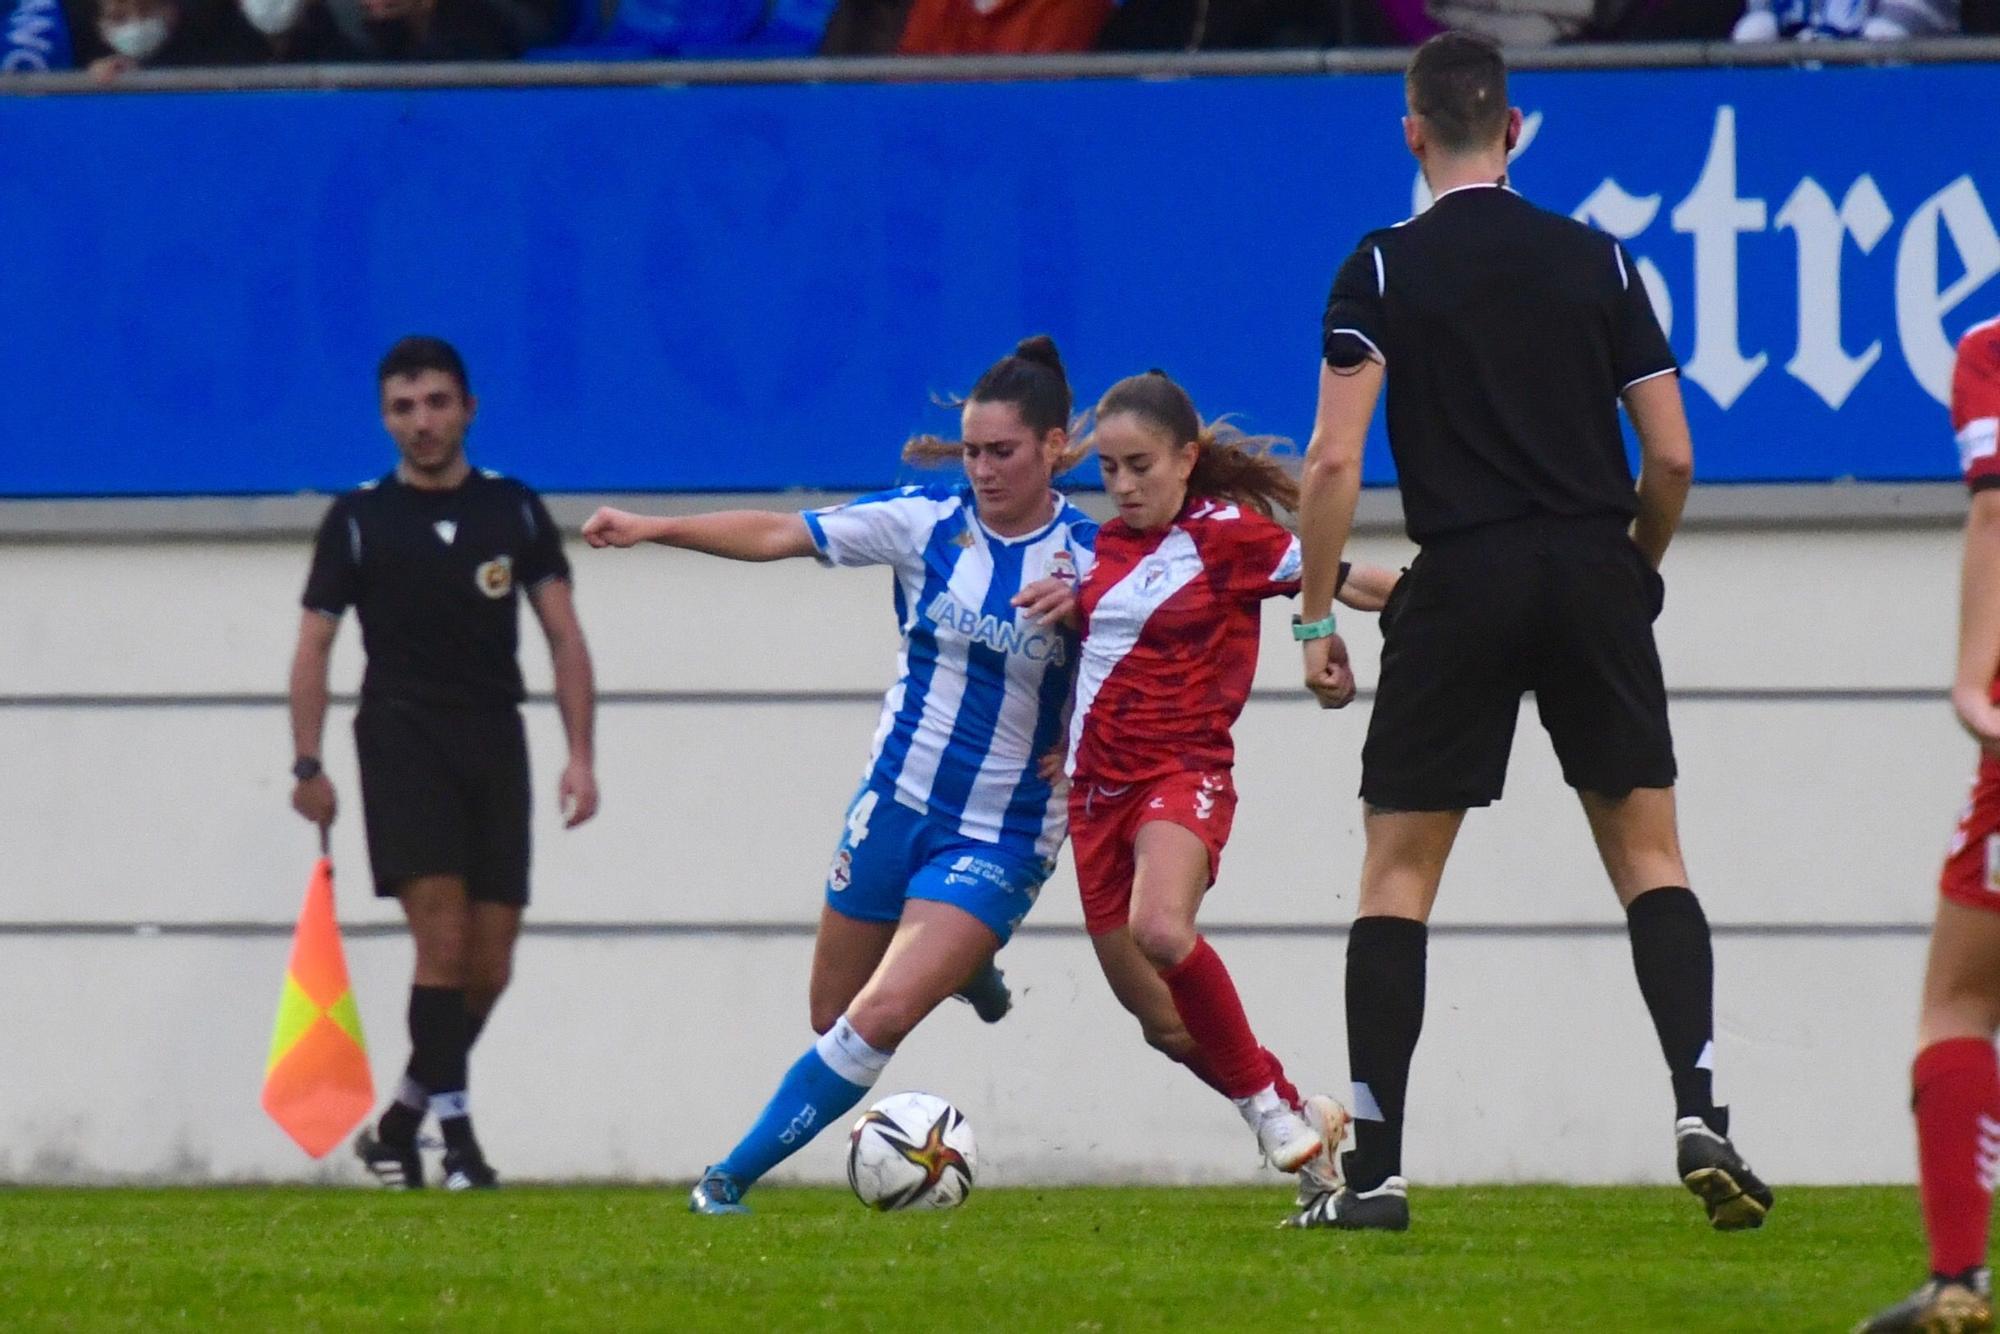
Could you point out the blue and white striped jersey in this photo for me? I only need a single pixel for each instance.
(980, 692)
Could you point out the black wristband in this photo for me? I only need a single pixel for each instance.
(306, 768)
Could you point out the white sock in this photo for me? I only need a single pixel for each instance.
(1260, 1104)
(848, 1055)
(445, 1106)
(413, 1095)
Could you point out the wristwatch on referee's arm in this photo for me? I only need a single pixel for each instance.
(306, 768)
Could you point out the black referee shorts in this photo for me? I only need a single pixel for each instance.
(444, 791)
(1560, 607)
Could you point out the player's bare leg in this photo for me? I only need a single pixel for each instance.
(1638, 839)
(846, 954)
(1957, 1103)
(934, 949)
(1170, 877)
(1137, 986)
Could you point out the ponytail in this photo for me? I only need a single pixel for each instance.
(1032, 378)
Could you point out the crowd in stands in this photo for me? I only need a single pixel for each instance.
(111, 37)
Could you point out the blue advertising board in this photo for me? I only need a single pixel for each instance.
(765, 287)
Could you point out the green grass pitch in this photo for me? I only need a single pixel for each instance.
(607, 1258)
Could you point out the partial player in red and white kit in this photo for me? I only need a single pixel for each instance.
(1955, 1082)
(1171, 612)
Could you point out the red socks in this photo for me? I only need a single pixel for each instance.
(1956, 1091)
(1197, 1063)
(1229, 1057)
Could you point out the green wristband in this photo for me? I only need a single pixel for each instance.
(1304, 630)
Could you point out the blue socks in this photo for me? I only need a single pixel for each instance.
(821, 1085)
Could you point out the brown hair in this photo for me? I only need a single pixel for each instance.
(1457, 82)
(1231, 466)
(1031, 377)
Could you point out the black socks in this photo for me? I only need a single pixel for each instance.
(1385, 1013)
(1676, 968)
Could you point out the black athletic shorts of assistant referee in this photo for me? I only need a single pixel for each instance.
(445, 791)
(1560, 607)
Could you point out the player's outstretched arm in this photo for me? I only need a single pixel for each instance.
(313, 797)
(1367, 587)
(1979, 623)
(736, 534)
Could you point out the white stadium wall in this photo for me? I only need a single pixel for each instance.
(149, 866)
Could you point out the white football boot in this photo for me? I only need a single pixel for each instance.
(1288, 1140)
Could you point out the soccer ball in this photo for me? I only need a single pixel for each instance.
(911, 1151)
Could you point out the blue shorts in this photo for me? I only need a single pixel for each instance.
(889, 854)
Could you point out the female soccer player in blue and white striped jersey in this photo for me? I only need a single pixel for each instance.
(955, 828)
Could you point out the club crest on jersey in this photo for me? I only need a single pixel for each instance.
(964, 539)
(1152, 575)
(1062, 566)
(496, 577)
(842, 874)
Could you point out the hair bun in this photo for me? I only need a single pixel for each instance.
(1041, 349)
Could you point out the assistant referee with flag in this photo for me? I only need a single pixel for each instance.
(435, 558)
(1507, 336)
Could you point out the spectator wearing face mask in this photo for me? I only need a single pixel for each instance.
(163, 34)
(296, 31)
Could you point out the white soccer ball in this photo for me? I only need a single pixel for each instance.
(911, 1151)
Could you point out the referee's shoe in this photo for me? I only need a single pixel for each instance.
(396, 1166)
(1383, 1209)
(1710, 1167)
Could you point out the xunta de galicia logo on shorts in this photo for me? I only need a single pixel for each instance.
(496, 577)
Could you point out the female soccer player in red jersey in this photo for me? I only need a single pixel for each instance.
(1170, 614)
(1955, 1083)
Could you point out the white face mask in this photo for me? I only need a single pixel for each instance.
(272, 17)
(136, 39)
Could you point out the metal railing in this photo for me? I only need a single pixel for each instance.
(992, 69)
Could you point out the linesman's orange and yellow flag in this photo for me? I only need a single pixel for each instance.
(316, 1084)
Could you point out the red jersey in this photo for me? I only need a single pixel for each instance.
(1975, 413)
(1170, 640)
(1975, 404)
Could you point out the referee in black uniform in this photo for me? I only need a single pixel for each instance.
(1508, 335)
(433, 558)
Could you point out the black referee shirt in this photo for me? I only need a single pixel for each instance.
(1508, 333)
(434, 577)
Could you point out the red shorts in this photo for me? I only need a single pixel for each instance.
(1104, 822)
(1972, 867)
